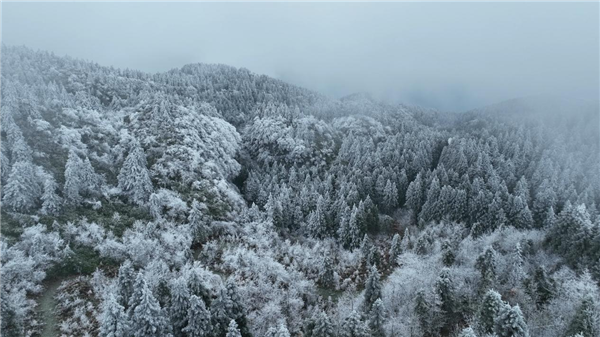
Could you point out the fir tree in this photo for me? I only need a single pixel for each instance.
(372, 289)
(377, 319)
(510, 322)
(467, 332)
(197, 287)
(134, 179)
(395, 250)
(585, 320)
(113, 320)
(125, 282)
(198, 319)
(444, 287)
(490, 307)
(148, 319)
(51, 201)
(353, 327)
(232, 330)
(22, 192)
(180, 306)
(198, 222)
(322, 326)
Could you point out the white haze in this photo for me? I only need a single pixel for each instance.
(447, 56)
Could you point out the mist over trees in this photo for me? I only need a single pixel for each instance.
(212, 201)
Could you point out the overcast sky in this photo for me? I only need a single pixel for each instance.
(443, 55)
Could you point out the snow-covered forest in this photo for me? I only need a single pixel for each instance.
(212, 201)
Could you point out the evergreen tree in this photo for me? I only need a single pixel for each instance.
(490, 307)
(326, 275)
(467, 332)
(237, 310)
(180, 307)
(510, 322)
(282, 331)
(444, 287)
(198, 319)
(372, 289)
(51, 202)
(487, 265)
(134, 179)
(541, 286)
(125, 283)
(395, 250)
(374, 258)
(197, 287)
(448, 255)
(322, 326)
(353, 327)
(390, 196)
(11, 324)
(232, 330)
(414, 195)
(148, 319)
(22, 192)
(198, 222)
(516, 262)
(113, 320)
(73, 183)
(377, 319)
(220, 313)
(422, 311)
(585, 320)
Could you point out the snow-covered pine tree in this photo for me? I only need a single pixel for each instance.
(372, 289)
(51, 201)
(113, 320)
(353, 326)
(467, 332)
(180, 307)
(22, 191)
(376, 319)
(148, 319)
(125, 283)
(585, 321)
(72, 188)
(395, 249)
(510, 322)
(232, 330)
(198, 319)
(322, 326)
(134, 178)
(490, 307)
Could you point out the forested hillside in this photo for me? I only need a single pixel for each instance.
(212, 201)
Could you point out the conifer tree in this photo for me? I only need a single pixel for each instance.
(180, 306)
(73, 184)
(353, 327)
(390, 196)
(198, 319)
(322, 326)
(134, 178)
(125, 282)
(510, 322)
(585, 320)
(51, 202)
(395, 249)
(22, 191)
(487, 265)
(232, 330)
(197, 287)
(148, 320)
(113, 320)
(467, 332)
(372, 289)
(377, 319)
(490, 307)
(444, 287)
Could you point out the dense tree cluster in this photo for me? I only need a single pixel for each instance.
(211, 201)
